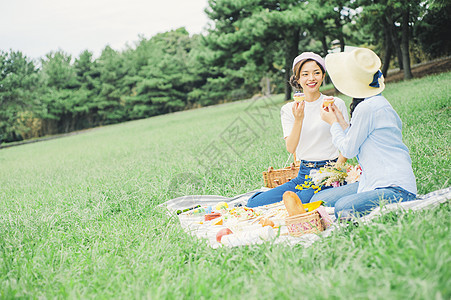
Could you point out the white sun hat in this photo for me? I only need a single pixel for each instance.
(356, 73)
(308, 55)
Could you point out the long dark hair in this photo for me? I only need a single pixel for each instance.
(354, 103)
(294, 79)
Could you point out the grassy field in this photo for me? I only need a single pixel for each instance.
(79, 216)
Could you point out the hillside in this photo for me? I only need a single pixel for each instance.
(423, 69)
(80, 219)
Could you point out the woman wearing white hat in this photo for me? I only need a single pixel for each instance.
(374, 137)
(304, 132)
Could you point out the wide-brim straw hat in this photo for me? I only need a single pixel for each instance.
(356, 73)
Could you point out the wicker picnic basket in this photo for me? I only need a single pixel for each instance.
(273, 178)
(309, 222)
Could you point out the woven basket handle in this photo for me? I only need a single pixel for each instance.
(295, 162)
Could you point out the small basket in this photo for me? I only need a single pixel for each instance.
(305, 223)
(273, 178)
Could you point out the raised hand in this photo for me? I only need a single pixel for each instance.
(298, 110)
(328, 115)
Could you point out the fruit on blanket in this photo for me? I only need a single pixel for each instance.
(328, 100)
(298, 97)
(221, 233)
(266, 222)
(222, 205)
(293, 204)
(218, 221)
(212, 216)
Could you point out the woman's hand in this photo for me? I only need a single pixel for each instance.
(298, 110)
(339, 116)
(292, 140)
(329, 115)
(341, 161)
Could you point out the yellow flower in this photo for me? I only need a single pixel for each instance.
(298, 187)
(307, 177)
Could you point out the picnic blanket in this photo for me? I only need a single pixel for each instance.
(249, 232)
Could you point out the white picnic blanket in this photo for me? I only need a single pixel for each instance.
(250, 232)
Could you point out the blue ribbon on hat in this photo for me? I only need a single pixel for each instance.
(375, 82)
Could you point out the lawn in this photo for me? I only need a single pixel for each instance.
(79, 215)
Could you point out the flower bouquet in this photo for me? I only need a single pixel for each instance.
(353, 173)
(335, 175)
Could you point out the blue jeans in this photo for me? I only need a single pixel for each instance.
(276, 194)
(348, 202)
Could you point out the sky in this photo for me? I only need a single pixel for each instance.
(36, 27)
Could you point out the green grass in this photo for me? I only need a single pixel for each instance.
(79, 215)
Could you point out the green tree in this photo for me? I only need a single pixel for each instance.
(433, 29)
(247, 35)
(395, 20)
(18, 77)
(108, 103)
(329, 19)
(59, 107)
(87, 78)
(164, 77)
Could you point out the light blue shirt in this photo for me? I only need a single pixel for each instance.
(375, 138)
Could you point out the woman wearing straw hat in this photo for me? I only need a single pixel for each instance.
(305, 133)
(374, 137)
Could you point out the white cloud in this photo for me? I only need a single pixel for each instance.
(37, 27)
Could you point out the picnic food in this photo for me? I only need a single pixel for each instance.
(293, 204)
(218, 221)
(179, 211)
(266, 222)
(194, 211)
(212, 216)
(243, 213)
(222, 205)
(298, 97)
(328, 100)
(221, 233)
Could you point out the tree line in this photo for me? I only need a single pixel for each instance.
(248, 47)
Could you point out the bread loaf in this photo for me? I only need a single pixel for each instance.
(293, 204)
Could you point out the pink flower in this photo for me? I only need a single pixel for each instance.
(353, 174)
(335, 183)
